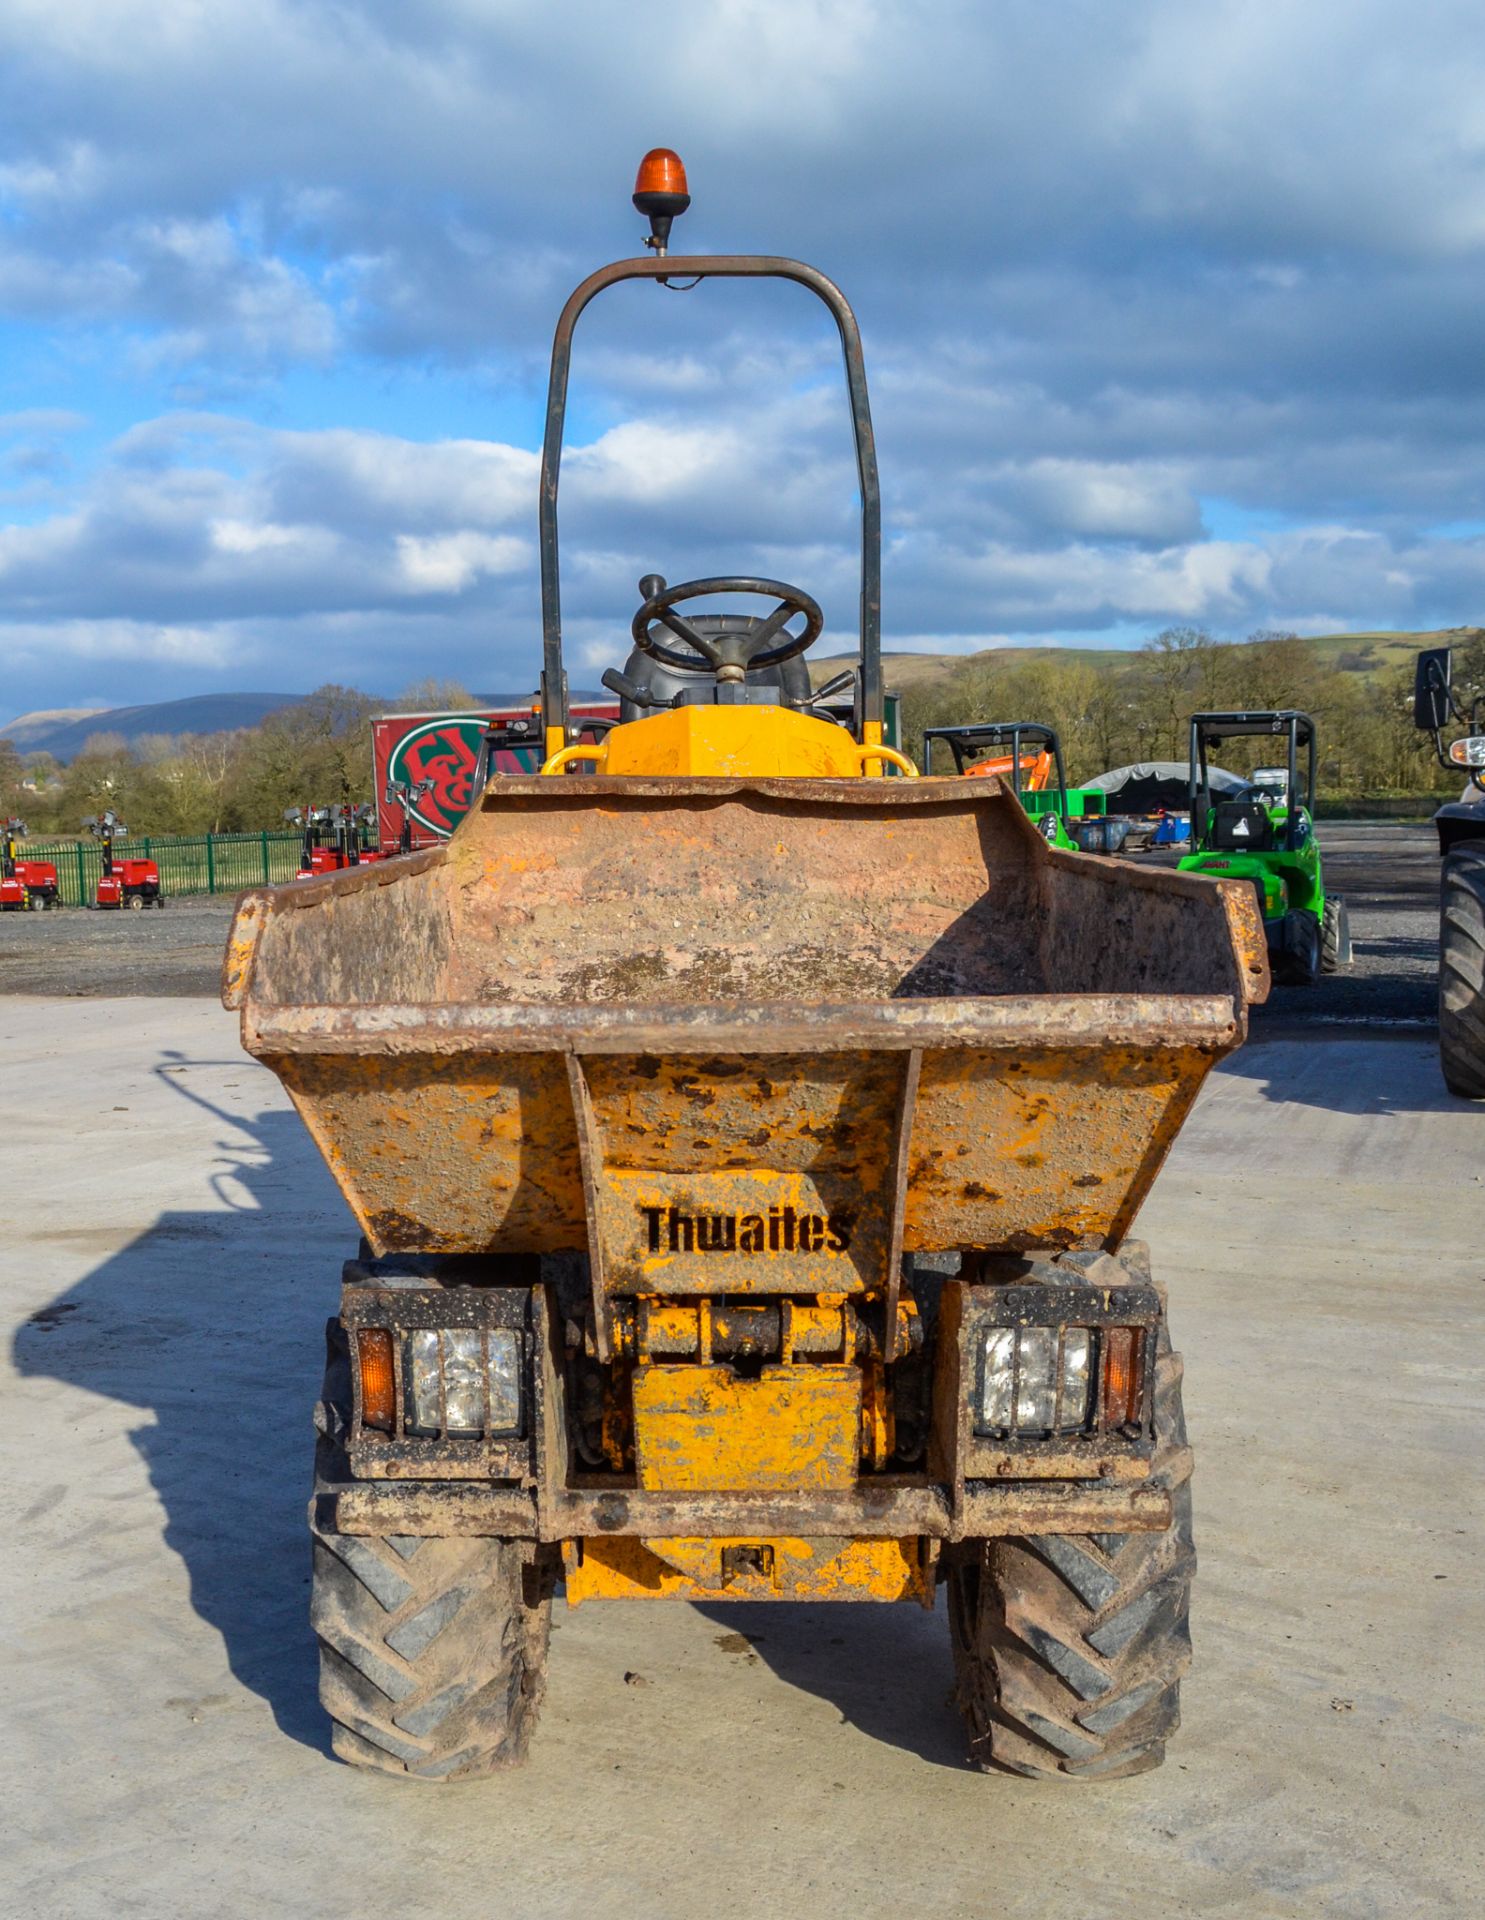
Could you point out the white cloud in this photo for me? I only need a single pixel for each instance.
(1106, 499)
(1113, 265)
(452, 562)
(138, 643)
(243, 536)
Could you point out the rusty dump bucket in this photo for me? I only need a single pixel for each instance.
(745, 1036)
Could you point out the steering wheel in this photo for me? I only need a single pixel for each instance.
(730, 655)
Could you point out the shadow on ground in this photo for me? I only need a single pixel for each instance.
(211, 1323)
(885, 1669)
(1375, 1074)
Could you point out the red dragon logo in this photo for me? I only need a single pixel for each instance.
(434, 766)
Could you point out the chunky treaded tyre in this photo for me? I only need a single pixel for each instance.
(432, 1652)
(1335, 936)
(1462, 971)
(1069, 1648)
(432, 1656)
(1299, 957)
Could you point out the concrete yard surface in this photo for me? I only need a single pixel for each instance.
(172, 1250)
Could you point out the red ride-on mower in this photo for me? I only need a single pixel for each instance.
(124, 882)
(25, 885)
(332, 839)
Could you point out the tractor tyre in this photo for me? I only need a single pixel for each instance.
(432, 1651)
(1299, 956)
(1335, 936)
(136, 905)
(1462, 971)
(1069, 1648)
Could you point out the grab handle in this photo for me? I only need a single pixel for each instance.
(565, 756)
(899, 760)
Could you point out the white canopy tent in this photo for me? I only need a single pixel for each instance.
(1150, 786)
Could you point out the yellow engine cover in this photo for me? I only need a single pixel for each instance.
(739, 741)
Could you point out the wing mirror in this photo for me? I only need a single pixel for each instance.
(1431, 703)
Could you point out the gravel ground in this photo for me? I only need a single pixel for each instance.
(172, 953)
(1387, 873)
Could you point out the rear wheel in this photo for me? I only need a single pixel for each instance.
(136, 904)
(1069, 1648)
(1335, 936)
(432, 1651)
(1462, 971)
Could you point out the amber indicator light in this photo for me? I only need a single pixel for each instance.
(661, 171)
(1121, 1376)
(661, 194)
(378, 1388)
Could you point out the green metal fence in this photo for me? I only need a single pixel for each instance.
(206, 863)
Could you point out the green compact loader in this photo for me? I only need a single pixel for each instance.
(1267, 836)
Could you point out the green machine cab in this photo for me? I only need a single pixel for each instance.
(1027, 753)
(1267, 836)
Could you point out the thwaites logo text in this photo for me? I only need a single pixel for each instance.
(779, 1230)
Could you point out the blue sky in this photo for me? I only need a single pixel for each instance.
(1173, 315)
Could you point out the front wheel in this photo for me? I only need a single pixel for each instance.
(136, 905)
(432, 1651)
(1299, 952)
(1069, 1648)
(1462, 971)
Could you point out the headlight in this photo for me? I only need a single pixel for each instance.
(1469, 752)
(448, 1373)
(1036, 1380)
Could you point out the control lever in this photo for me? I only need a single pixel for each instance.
(838, 683)
(626, 689)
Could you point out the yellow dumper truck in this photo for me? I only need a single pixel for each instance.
(744, 1134)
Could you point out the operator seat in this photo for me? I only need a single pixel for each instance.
(1239, 826)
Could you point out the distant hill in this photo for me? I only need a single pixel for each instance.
(64, 734)
(1366, 654)
(31, 730)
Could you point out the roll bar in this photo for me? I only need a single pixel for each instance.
(1211, 729)
(969, 743)
(694, 268)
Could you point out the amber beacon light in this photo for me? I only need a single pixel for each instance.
(660, 193)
